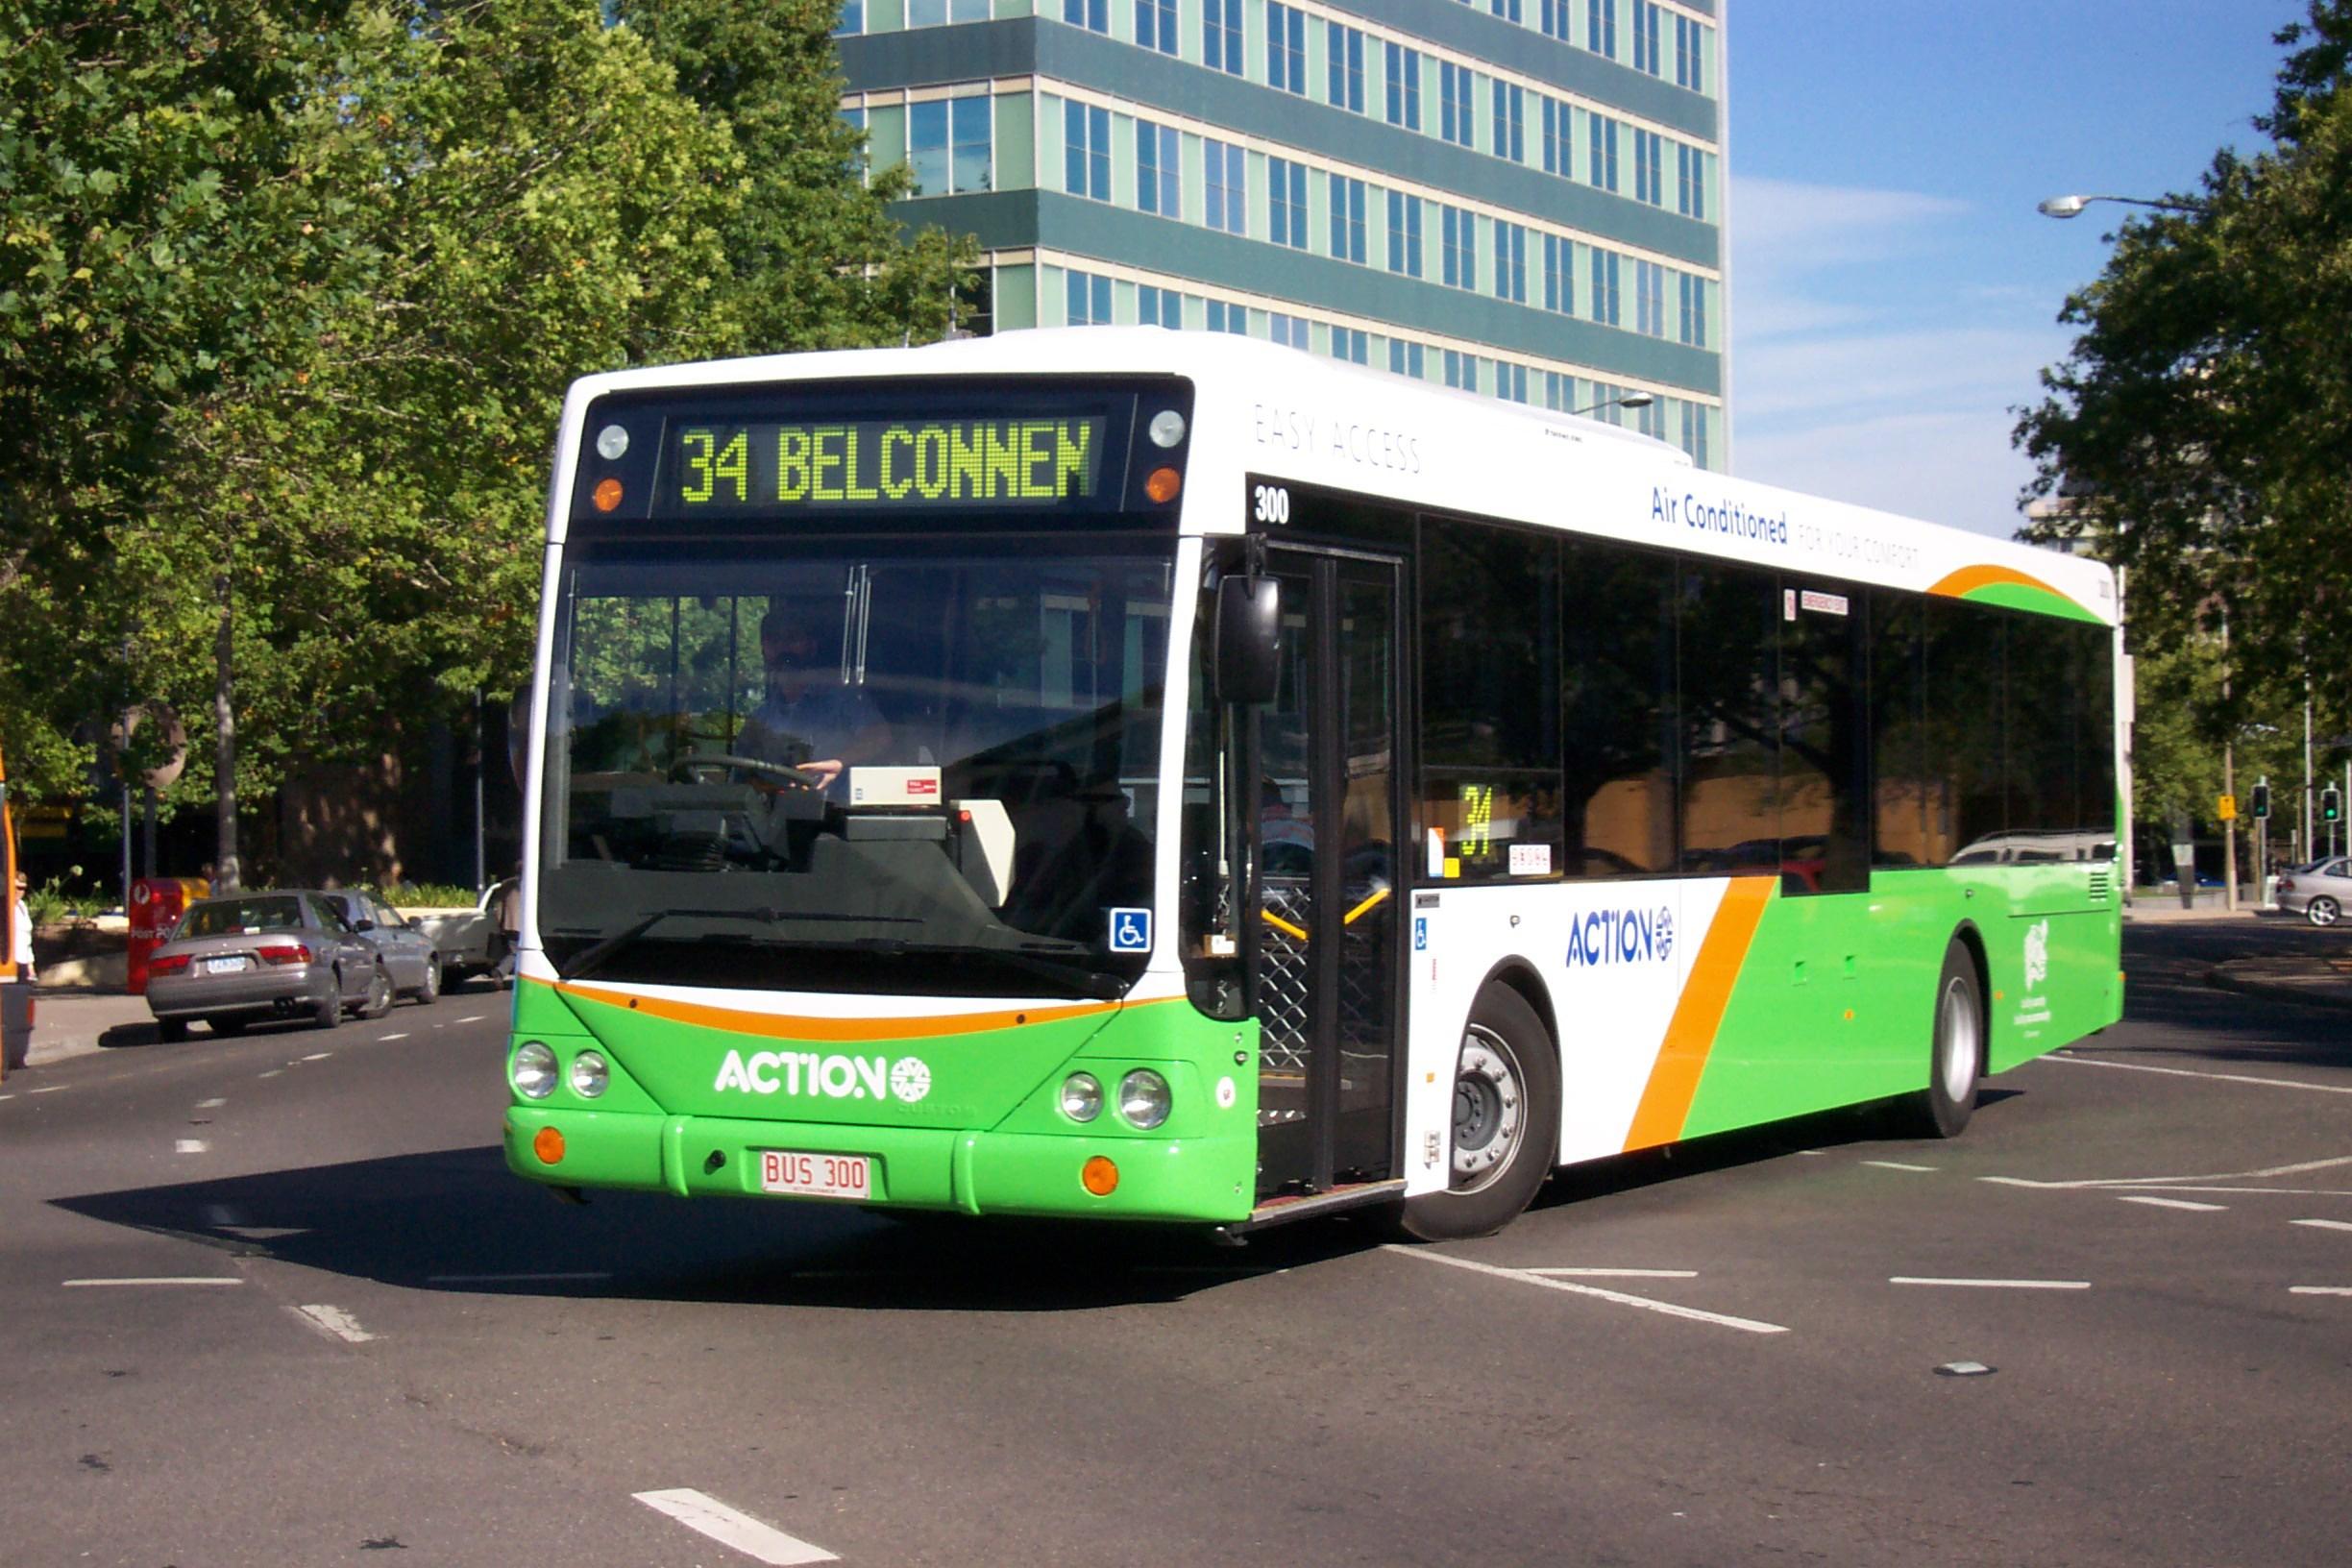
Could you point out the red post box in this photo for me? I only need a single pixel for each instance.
(157, 903)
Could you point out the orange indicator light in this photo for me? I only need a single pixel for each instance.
(549, 1146)
(1100, 1176)
(1163, 484)
(607, 495)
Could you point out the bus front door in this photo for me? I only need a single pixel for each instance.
(1330, 978)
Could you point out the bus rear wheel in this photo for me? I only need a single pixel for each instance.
(1505, 1122)
(1956, 1057)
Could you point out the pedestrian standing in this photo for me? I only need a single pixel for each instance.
(507, 906)
(19, 1007)
(20, 945)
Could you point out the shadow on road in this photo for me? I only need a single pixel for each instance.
(2181, 1017)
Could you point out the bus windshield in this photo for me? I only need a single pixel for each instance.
(921, 765)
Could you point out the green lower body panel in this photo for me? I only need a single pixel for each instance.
(1203, 1179)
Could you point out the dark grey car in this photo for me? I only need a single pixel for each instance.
(249, 957)
(407, 951)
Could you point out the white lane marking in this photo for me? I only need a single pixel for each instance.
(507, 1279)
(1895, 1164)
(1993, 1284)
(2296, 1169)
(2179, 1203)
(190, 1145)
(2324, 1224)
(2319, 1289)
(7, 1096)
(318, 1056)
(333, 1322)
(731, 1527)
(51, 1088)
(273, 1072)
(403, 1034)
(474, 1018)
(1747, 1325)
(214, 1104)
(2217, 1077)
(159, 1279)
(1616, 1273)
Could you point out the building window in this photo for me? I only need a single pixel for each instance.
(1094, 15)
(1089, 300)
(1600, 27)
(1559, 139)
(1510, 381)
(1291, 331)
(1158, 307)
(1650, 167)
(1694, 292)
(1605, 287)
(1154, 22)
(1511, 262)
(1507, 10)
(947, 145)
(1462, 370)
(1510, 122)
(1086, 151)
(1404, 234)
(940, 13)
(1454, 104)
(1408, 360)
(1603, 170)
(1404, 86)
(1560, 391)
(1159, 169)
(1555, 19)
(1646, 37)
(1695, 433)
(1352, 344)
(1559, 275)
(1458, 237)
(1222, 36)
(1285, 48)
(852, 20)
(1228, 318)
(1286, 203)
(1345, 48)
(1690, 182)
(1648, 299)
(1226, 168)
(1690, 39)
(1347, 218)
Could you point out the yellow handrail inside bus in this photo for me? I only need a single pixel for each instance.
(1349, 918)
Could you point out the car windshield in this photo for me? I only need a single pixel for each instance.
(242, 917)
(916, 767)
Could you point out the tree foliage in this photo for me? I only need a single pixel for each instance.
(289, 294)
(2202, 420)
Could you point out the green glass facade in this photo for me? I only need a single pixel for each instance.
(1522, 198)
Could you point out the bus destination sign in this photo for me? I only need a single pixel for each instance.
(881, 465)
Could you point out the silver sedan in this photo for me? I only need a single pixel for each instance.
(250, 957)
(2319, 891)
(407, 951)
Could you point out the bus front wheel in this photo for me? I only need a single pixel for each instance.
(1505, 1122)
(1956, 1058)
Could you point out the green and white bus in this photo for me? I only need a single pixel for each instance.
(1153, 776)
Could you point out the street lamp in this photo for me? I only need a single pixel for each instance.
(2068, 207)
(1624, 400)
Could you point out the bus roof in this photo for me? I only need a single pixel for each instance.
(1263, 412)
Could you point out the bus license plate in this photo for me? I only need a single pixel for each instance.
(816, 1175)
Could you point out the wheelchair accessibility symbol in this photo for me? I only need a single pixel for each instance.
(1420, 933)
(1131, 930)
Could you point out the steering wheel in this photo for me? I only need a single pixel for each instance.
(687, 768)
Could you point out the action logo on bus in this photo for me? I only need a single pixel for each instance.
(1620, 936)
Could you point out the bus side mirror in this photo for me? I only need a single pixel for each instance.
(1247, 664)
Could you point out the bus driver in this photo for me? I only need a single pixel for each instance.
(810, 718)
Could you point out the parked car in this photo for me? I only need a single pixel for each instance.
(408, 951)
(252, 956)
(468, 941)
(2318, 891)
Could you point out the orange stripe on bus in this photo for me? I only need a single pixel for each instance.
(1673, 1079)
(1969, 579)
(793, 1026)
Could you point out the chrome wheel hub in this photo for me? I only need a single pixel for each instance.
(1489, 1110)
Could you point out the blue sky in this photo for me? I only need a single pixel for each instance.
(1893, 293)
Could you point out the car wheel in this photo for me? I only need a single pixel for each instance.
(2322, 911)
(379, 998)
(327, 1011)
(171, 1031)
(1505, 1122)
(430, 990)
(228, 1026)
(1956, 1052)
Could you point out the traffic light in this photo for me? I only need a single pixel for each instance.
(2331, 804)
(2261, 806)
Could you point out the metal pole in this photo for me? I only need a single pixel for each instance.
(126, 838)
(2307, 772)
(151, 831)
(481, 881)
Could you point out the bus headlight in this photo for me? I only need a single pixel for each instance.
(1081, 1097)
(533, 1071)
(1144, 1100)
(589, 1075)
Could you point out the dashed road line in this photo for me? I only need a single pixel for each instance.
(273, 1072)
(2324, 1224)
(1616, 1273)
(318, 1056)
(2183, 1184)
(333, 1322)
(190, 1145)
(1747, 1325)
(2174, 1203)
(51, 1088)
(1992, 1284)
(1895, 1164)
(403, 1034)
(2217, 1077)
(158, 1279)
(474, 1018)
(214, 1104)
(732, 1527)
(2319, 1289)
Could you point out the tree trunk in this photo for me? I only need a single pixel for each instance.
(224, 872)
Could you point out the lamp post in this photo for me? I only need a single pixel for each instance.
(2071, 207)
(1624, 400)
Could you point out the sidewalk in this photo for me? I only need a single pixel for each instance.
(69, 1021)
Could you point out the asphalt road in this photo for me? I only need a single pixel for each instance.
(388, 1345)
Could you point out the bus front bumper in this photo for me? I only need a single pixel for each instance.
(1207, 1179)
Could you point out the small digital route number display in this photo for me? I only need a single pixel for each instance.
(712, 468)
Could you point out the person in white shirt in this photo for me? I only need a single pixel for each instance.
(20, 947)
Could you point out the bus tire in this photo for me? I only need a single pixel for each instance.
(1956, 1057)
(1505, 1122)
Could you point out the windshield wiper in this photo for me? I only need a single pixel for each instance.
(589, 956)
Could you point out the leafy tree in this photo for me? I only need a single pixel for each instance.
(2204, 415)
